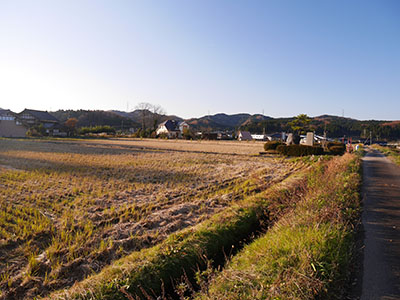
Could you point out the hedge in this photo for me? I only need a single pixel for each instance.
(299, 150)
(272, 145)
(336, 150)
(97, 129)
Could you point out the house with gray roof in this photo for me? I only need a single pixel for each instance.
(244, 136)
(37, 118)
(172, 128)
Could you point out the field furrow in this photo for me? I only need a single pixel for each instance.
(69, 208)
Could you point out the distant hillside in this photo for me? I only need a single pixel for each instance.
(95, 117)
(137, 114)
(113, 118)
(223, 121)
(334, 126)
(151, 119)
(135, 119)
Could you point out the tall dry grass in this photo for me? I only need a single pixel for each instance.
(306, 254)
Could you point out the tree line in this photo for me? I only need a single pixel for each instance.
(335, 127)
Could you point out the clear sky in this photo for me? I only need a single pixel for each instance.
(207, 56)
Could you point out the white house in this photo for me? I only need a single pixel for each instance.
(172, 128)
(259, 137)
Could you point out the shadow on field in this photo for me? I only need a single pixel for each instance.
(77, 147)
(126, 173)
(94, 147)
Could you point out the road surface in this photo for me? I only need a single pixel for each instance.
(380, 278)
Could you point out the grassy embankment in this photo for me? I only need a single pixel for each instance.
(150, 271)
(392, 153)
(306, 254)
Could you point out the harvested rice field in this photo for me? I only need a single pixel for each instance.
(70, 208)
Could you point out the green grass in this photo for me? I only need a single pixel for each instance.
(307, 253)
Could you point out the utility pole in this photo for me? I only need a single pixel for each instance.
(370, 138)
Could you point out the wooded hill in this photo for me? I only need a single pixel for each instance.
(334, 126)
(114, 118)
(87, 118)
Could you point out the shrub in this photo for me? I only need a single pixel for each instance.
(187, 134)
(272, 145)
(331, 144)
(163, 136)
(299, 150)
(336, 150)
(97, 129)
(37, 130)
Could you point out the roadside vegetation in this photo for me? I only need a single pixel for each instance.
(391, 152)
(70, 208)
(307, 253)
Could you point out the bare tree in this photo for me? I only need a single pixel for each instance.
(150, 114)
(157, 111)
(145, 109)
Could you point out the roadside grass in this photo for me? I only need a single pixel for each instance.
(306, 254)
(392, 153)
(152, 272)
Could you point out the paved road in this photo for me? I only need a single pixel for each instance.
(381, 222)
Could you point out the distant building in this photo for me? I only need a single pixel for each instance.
(209, 136)
(259, 137)
(172, 128)
(183, 126)
(244, 136)
(224, 136)
(11, 125)
(214, 135)
(36, 118)
(278, 136)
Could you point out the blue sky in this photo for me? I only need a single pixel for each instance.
(195, 57)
